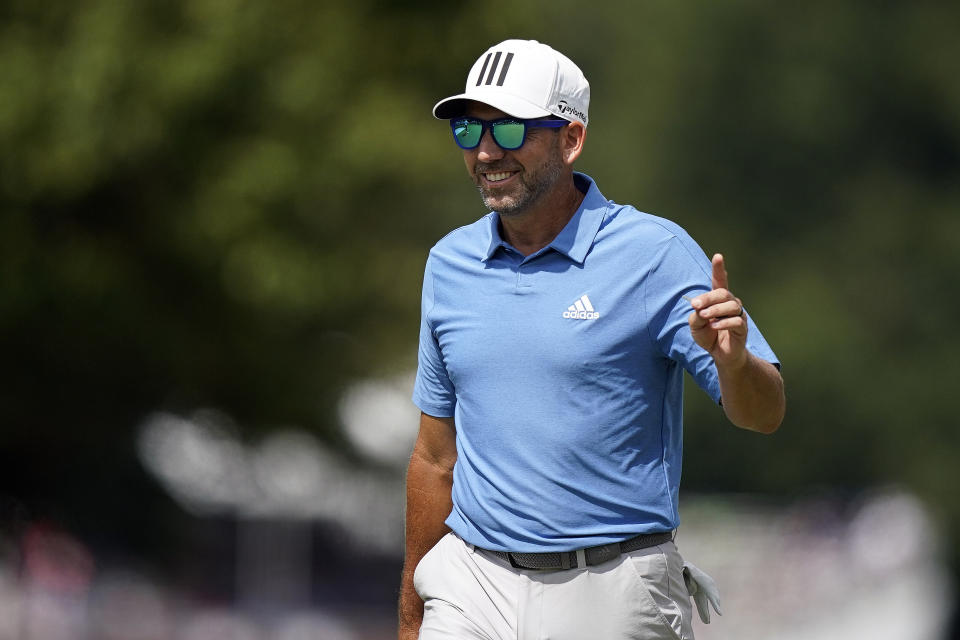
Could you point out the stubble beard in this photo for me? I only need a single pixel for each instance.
(533, 185)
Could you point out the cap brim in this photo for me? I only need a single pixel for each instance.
(455, 106)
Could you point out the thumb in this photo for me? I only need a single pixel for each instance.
(719, 278)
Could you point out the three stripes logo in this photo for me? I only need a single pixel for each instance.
(493, 66)
(581, 310)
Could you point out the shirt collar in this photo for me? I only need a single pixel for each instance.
(576, 238)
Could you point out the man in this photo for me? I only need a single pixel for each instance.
(542, 489)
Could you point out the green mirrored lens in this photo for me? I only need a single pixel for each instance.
(508, 135)
(467, 133)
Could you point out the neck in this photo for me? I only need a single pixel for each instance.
(533, 229)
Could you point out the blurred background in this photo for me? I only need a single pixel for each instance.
(214, 216)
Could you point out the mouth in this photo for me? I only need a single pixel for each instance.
(496, 177)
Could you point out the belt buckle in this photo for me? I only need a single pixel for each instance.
(602, 553)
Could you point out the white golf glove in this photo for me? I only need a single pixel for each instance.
(703, 590)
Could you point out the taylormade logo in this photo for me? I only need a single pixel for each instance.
(566, 110)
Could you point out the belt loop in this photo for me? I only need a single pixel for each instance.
(581, 559)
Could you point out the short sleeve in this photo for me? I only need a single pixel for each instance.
(684, 270)
(433, 392)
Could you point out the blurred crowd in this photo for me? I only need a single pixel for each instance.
(817, 569)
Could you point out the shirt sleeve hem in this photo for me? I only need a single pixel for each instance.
(437, 410)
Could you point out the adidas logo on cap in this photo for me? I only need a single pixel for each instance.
(525, 79)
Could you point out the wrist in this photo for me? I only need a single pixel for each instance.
(733, 364)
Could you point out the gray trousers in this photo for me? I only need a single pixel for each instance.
(472, 594)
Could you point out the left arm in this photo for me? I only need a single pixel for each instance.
(753, 395)
(751, 388)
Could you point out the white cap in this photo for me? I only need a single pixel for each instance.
(525, 79)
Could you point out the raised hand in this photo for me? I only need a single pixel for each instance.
(718, 323)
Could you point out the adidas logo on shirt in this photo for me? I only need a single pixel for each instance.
(581, 310)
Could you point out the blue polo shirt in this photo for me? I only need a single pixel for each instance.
(564, 373)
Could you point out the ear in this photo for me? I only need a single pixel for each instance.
(574, 135)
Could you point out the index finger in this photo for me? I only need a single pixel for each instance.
(719, 277)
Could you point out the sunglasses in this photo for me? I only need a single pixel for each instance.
(508, 133)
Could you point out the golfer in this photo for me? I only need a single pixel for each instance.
(543, 488)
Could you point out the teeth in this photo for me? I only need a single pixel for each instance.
(497, 177)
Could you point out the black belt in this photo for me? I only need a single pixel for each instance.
(591, 555)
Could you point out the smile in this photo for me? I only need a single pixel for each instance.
(500, 176)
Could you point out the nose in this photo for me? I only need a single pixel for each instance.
(488, 150)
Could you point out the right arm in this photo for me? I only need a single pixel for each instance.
(429, 483)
